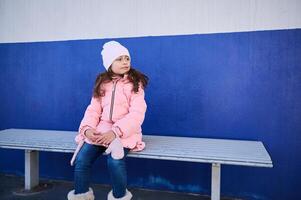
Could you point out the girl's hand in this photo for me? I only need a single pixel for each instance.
(91, 134)
(106, 138)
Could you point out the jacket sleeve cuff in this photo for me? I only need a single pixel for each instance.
(117, 131)
(83, 130)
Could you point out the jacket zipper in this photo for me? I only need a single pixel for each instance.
(112, 100)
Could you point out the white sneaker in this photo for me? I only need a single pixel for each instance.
(83, 196)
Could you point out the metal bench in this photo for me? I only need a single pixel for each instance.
(213, 151)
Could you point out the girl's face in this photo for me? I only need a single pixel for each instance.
(121, 65)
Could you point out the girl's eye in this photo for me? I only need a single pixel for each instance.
(120, 59)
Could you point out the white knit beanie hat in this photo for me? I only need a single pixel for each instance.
(112, 50)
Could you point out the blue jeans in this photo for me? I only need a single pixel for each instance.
(83, 164)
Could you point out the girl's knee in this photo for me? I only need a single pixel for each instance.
(86, 156)
(82, 163)
(113, 163)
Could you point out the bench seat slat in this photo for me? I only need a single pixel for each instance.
(236, 152)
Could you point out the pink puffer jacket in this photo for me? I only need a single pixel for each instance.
(120, 110)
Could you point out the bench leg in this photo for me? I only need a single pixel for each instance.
(215, 181)
(31, 169)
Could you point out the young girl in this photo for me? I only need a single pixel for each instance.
(111, 124)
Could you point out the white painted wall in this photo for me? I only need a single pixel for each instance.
(53, 20)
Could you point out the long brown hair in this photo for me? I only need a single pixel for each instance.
(134, 76)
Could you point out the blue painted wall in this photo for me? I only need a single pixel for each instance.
(234, 85)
